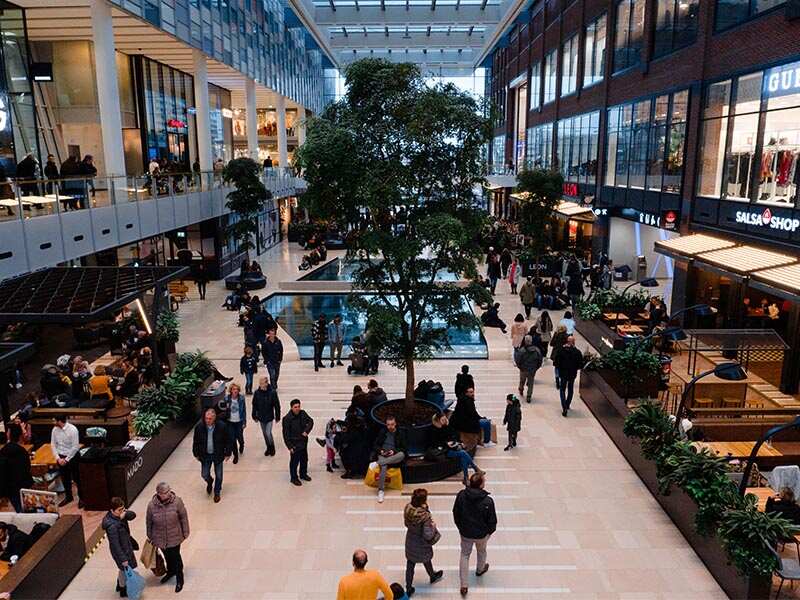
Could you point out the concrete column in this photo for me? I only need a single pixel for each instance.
(283, 153)
(107, 88)
(251, 120)
(301, 126)
(203, 111)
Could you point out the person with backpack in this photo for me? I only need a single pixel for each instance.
(476, 520)
(528, 359)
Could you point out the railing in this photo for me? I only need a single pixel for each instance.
(22, 199)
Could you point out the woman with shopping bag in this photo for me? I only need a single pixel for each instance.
(167, 528)
(421, 536)
(121, 544)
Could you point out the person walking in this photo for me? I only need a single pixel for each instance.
(493, 272)
(319, 334)
(527, 295)
(505, 262)
(476, 520)
(556, 345)
(464, 380)
(514, 273)
(391, 447)
(272, 352)
(18, 466)
(362, 584)
(266, 409)
(575, 290)
(167, 528)
(570, 361)
(212, 446)
(518, 331)
(248, 366)
(297, 425)
(512, 420)
(51, 173)
(120, 542)
(336, 331)
(544, 327)
(528, 359)
(235, 414)
(65, 444)
(201, 280)
(569, 322)
(421, 535)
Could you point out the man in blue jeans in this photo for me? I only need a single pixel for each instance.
(211, 445)
(568, 362)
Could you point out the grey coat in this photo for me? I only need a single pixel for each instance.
(167, 522)
(420, 530)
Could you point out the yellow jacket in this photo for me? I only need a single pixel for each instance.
(363, 585)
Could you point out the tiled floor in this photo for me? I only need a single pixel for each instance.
(574, 519)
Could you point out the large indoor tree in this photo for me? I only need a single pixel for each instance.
(398, 159)
(540, 192)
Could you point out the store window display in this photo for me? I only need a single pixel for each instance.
(539, 146)
(576, 150)
(750, 154)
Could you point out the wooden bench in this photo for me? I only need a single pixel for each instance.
(44, 413)
(179, 290)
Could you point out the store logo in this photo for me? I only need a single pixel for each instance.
(767, 219)
(569, 189)
(783, 80)
(648, 219)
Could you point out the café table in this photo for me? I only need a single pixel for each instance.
(615, 317)
(630, 330)
(44, 457)
(736, 449)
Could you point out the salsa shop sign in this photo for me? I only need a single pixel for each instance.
(767, 219)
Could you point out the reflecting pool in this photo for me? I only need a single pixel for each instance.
(339, 270)
(295, 313)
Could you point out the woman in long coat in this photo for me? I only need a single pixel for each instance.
(421, 535)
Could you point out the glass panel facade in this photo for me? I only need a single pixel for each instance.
(645, 143)
(499, 154)
(733, 12)
(540, 146)
(550, 77)
(576, 149)
(221, 123)
(594, 56)
(536, 86)
(629, 33)
(751, 138)
(569, 66)
(676, 25)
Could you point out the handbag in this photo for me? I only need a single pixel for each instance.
(436, 535)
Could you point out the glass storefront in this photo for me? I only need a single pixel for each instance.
(750, 145)
(221, 119)
(540, 146)
(576, 150)
(645, 143)
(499, 154)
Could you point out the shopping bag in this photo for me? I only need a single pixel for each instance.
(161, 566)
(148, 555)
(493, 436)
(394, 477)
(134, 584)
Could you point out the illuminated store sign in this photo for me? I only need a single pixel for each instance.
(782, 81)
(569, 189)
(767, 219)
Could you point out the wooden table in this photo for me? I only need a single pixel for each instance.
(630, 330)
(736, 449)
(44, 457)
(4, 567)
(615, 317)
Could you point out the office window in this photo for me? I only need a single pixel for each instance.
(594, 57)
(576, 150)
(629, 34)
(676, 25)
(645, 143)
(569, 66)
(732, 12)
(750, 154)
(550, 77)
(536, 86)
(539, 146)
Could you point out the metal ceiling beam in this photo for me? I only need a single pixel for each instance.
(422, 15)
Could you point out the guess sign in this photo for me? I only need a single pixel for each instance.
(782, 81)
(767, 219)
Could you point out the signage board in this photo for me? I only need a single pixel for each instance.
(783, 80)
(766, 218)
(569, 189)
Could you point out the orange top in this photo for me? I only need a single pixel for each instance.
(363, 585)
(99, 385)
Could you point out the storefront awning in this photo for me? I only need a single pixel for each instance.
(744, 260)
(575, 211)
(785, 278)
(689, 246)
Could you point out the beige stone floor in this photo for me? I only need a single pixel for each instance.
(574, 519)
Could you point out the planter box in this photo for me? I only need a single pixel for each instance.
(610, 410)
(646, 388)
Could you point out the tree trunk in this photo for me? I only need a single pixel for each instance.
(409, 403)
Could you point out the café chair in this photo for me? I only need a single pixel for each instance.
(788, 568)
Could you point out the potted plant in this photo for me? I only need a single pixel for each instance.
(632, 372)
(400, 158)
(167, 331)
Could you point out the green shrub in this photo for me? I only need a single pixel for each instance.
(168, 327)
(634, 364)
(588, 311)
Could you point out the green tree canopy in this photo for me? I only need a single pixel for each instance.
(541, 193)
(246, 200)
(398, 159)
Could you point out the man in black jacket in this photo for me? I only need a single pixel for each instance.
(266, 409)
(212, 445)
(272, 351)
(391, 446)
(13, 541)
(568, 362)
(476, 521)
(18, 467)
(296, 427)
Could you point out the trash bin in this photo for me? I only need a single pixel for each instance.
(213, 394)
(641, 268)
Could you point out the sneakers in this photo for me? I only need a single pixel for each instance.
(485, 568)
(380, 496)
(507, 448)
(334, 465)
(321, 442)
(489, 444)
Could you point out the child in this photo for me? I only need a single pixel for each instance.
(398, 592)
(512, 420)
(248, 366)
(330, 451)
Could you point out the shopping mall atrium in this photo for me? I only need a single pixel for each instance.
(363, 299)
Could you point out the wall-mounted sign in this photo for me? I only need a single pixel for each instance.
(669, 219)
(569, 189)
(600, 212)
(767, 219)
(648, 219)
(227, 113)
(666, 220)
(177, 124)
(783, 80)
